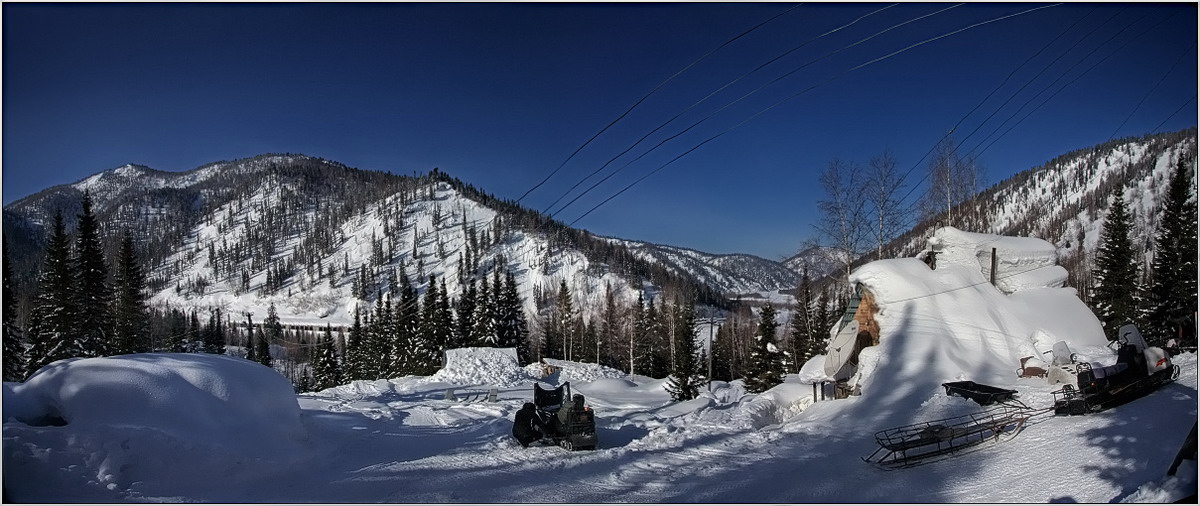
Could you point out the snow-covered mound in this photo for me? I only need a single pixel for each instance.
(482, 367)
(1021, 262)
(575, 372)
(950, 323)
(201, 398)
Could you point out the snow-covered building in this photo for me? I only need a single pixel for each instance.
(969, 307)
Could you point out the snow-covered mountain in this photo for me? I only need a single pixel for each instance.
(820, 261)
(316, 238)
(736, 273)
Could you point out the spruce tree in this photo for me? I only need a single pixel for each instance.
(804, 342)
(251, 348)
(464, 334)
(14, 349)
(510, 328)
(1172, 293)
(685, 376)
(326, 371)
(764, 370)
(483, 325)
(407, 324)
(214, 335)
(352, 356)
(1114, 297)
(51, 321)
(130, 314)
(656, 346)
(271, 331)
(93, 323)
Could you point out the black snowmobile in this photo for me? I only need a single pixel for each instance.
(1139, 370)
(565, 419)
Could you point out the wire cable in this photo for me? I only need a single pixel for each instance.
(647, 95)
(702, 100)
(759, 113)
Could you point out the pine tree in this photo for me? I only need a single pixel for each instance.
(510, 328)
(764, 370)
(1114, 297)
(51, 321)
(685, 376)
(93, 323)
(271, 331)
(130, 313)
(656, 345)
(464, 332)
(1172, 293)
(483, 327)
(14, 349)
(352, 357)
(637, 334)
(251, 348)
(214, 333)
(326, 371)
(408, 315)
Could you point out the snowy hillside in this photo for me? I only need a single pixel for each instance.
(819, 260)
(733, 274)
(316, 238)
(401, 441)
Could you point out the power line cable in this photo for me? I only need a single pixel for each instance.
(759, 113)
(1181, 106)
(647, 95)
(975, 155)
(743, 97)
(1148, 93)
(710, 95)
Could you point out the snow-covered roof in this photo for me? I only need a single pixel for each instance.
(1021, 262)
(951, 323)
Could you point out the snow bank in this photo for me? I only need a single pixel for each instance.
(1021, 262)
(577, 372)
(203, 399)
(950, 323)
(482, 366)
(776, 405)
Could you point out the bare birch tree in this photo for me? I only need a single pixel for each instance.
(883, 183)
(844, 211)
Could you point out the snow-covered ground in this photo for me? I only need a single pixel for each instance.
(180, 427)
(188, 430)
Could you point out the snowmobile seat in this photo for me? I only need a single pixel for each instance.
(549, 400)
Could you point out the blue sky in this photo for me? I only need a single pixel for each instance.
(500, 94)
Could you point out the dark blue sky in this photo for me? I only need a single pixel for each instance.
(500, 94)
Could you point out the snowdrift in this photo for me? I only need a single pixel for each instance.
(951, 323)
(575, 372)
(200, 398)
(482, 367)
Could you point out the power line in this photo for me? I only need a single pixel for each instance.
(1177, 60)
(976, 155)
(1181, 106)
(647, 95)
(852, 69)
(1044, 68)
(702, 100)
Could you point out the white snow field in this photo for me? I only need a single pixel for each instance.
(199, 428)
(184, 427)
